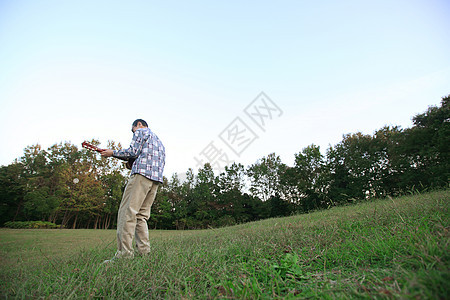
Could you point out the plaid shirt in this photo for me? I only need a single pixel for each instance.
(149, 152)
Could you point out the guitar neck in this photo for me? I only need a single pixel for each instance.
(92, 147)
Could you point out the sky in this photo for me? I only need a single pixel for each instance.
(217, 81)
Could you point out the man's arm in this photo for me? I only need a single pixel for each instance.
(132, 152)
(107, 153)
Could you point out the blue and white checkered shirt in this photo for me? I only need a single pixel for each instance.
(149, 152)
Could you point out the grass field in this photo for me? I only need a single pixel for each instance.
(392, 248)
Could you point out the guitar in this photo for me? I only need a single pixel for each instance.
(89, 146)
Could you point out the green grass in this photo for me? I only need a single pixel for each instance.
(392, 248)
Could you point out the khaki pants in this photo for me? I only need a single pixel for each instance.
(133, 215)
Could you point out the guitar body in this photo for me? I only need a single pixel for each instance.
(129, 161)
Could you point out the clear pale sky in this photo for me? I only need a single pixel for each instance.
(76, 70)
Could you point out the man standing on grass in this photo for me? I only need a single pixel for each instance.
(140, 192)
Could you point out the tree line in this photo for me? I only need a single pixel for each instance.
(78, 189)
(74, 188)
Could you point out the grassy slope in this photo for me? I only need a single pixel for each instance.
(382, 249)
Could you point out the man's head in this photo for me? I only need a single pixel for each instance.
(139, 123)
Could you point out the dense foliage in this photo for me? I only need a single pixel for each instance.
(63, 185)
(78, 189)
(30, 225)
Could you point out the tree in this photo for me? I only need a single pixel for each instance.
(306, 183)
(40, 200)
(352, 165)
(176, 197)
(113, 184)
(181, 196)
(201, 208)
(265, 175)
(392, 163)
(162, 213)
(12, 191)
(425, 146)
(40, 185)
(81, 192)
(230, 203)
(279, 207)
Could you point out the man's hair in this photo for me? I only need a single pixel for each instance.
(142, 122)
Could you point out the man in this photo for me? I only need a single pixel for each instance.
(140, 192)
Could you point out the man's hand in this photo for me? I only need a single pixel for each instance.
(107, 153)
